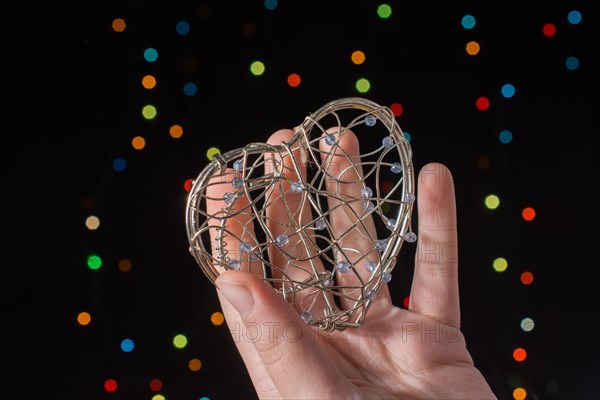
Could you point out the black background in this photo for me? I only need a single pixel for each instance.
(71, 102)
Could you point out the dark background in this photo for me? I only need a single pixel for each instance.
(71, 103)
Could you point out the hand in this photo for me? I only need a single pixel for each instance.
(414, 353)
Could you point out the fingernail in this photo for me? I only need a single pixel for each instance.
(238, 295)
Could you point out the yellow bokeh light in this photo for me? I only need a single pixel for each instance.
(210, 153)
(500, 264)
(519, 394)
(176, 131)
(119, 24)
(472, 48)
(358, 57)
(492, 201)
(124, 265)
(92, 222)
(84, 318)
(195, 364)
(138, 142)
(257, 68)
(149, 111)
(148, 82)
(158, 397)
(363, 85)
(180, 341)
(217, 318)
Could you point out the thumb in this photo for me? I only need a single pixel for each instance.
(290, 353)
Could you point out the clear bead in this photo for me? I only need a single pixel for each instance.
(380, 244)
(371, 294)
(234, 264)
(238, 165)
(386, 277)
(370, 120)
(396, 167)
(366, 193)
(245, 247)
(237, 182)
(388, 142)
(330, 139)
(229, 198)
(282, 240)
(391, 223)
(409, 197)
(368, 205)
(343, 266)
(328, 282)
(410, 237)
(320, 224)
(297, 187)
(370, 266)
(306, 316)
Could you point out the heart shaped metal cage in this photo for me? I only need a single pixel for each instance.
(342, 227)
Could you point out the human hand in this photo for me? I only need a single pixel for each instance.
(414, 353)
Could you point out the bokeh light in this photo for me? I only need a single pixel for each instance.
(505, 136)
(358, 57)
(574, 17)
(397, 109)
(149, 111)
(468, 21)
(94, 261)
(158, 397)
(176, 131)
(406, 302)
(119, 25)
(271, 4)
(528, 213)
(527, 324)
(127, 345)
(217, 318)
(150, 54)
(92, 222)
(110, 385)
(500, 264)
(257, 68)
(180, 341)
(384, 11)
(508, 90)
(294, 80)
(190, 89)
(549, 30)
(484, 162)
(482, 103)
(84, 318)
(182, 27)
(519, 394)
(194, 364)
(519, 354)
(526, 278)
(492, 201)
(572, 63)
(138, 143)
(363, 85)
(124, 265)
(156, 385)
(149, 82)
(119, 164)
(187, 185)
(472, 48)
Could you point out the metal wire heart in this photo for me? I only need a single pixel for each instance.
(322, 225)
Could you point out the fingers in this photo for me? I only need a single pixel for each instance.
(289, 217)
(284, 344)
(434, 290)
(349, 204)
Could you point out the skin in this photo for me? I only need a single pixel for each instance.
(414, 353)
